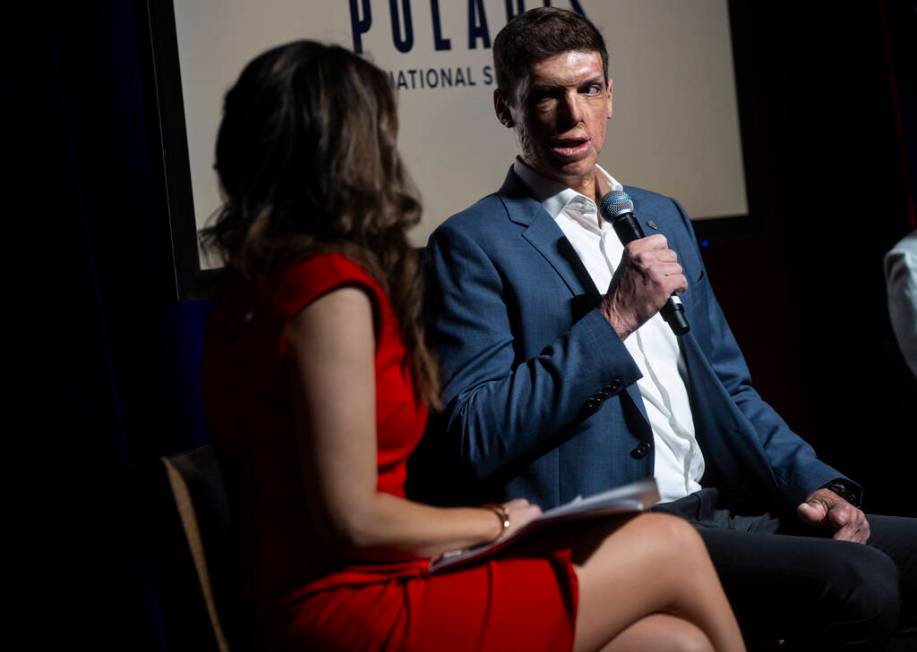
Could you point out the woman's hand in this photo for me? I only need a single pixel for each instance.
(519, 512)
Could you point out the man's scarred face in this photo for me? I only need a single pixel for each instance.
(560, 115)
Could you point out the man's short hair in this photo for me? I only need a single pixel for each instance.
(539, 34)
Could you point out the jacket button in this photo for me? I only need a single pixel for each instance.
(642, 450)
(613, 385)
(592, 404)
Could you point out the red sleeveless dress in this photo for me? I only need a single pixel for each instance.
(304, 599)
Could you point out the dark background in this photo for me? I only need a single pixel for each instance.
(106, 379)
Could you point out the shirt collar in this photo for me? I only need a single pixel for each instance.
(557, 199)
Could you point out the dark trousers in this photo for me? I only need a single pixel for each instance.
(792, 582)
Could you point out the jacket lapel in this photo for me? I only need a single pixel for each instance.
(652, 224)
(542, 232)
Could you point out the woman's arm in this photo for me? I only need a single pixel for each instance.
(331, 348)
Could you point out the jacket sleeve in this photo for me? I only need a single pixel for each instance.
(795, 466)
(501, 407)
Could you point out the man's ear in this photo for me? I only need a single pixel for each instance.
(501, 108)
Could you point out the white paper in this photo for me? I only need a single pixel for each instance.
(628, 499)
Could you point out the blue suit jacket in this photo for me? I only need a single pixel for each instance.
(540, 392)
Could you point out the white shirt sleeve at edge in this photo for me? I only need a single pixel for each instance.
(901, 285)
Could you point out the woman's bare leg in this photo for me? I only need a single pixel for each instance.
(650, 564)
(660, 633)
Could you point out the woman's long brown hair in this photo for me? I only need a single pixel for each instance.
(307, 158)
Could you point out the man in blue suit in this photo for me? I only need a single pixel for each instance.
(562, 379)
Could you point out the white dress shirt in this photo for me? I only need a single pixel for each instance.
(679, 463)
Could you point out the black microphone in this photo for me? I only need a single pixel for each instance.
(618, 208)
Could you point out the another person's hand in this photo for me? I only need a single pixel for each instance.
(648, 275)
(824, 508)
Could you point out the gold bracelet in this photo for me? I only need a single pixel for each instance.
(502, 516)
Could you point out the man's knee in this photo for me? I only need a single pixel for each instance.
(863, 592)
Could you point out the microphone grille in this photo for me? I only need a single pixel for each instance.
(616, 203)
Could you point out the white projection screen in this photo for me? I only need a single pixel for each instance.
(675, 127)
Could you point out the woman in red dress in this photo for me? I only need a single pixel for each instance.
(316, 382)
